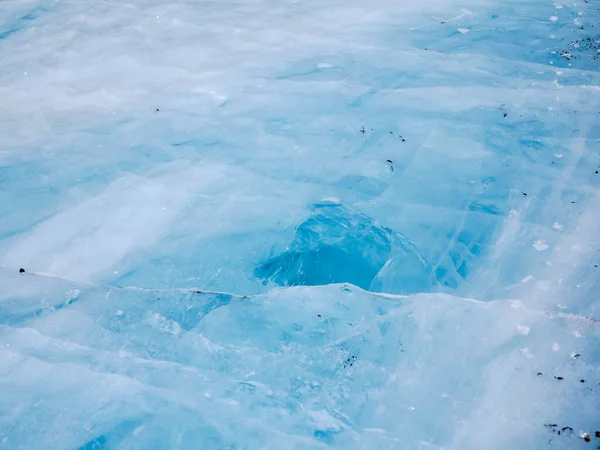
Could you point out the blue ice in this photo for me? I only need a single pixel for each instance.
(299, 225)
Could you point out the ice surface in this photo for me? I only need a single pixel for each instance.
(299, 225)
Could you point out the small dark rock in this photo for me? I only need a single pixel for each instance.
(21, 270)
(559, 378)
(597, 434)
(587, 437)
(582, 381)
(551, 425)
(524, 194)
(539, 373)
(505, 114)
(576, 355)
(390, 161)
(157, 110)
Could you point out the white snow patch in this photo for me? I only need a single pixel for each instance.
(323, 420)
(527, 353)
(540, 245)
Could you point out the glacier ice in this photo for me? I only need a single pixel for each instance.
(299, 225)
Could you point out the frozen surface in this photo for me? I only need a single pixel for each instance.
(299, 225)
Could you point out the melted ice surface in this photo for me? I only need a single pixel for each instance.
(299, 224)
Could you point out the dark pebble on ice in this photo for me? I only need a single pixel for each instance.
(551, 425)
(576, 355)
(505, 114)
(587, 437)
(318, 315)
(559, 378)
(390, 161)
(539, 373)
(21, 270)
(597, 434)
(524, 194)
(582, 381)
(157, 110)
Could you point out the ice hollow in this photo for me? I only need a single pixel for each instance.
(337, 245)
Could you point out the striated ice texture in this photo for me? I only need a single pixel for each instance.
(299, 224)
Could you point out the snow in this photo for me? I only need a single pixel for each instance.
(357, 225)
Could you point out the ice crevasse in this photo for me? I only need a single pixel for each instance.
(299, 225)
